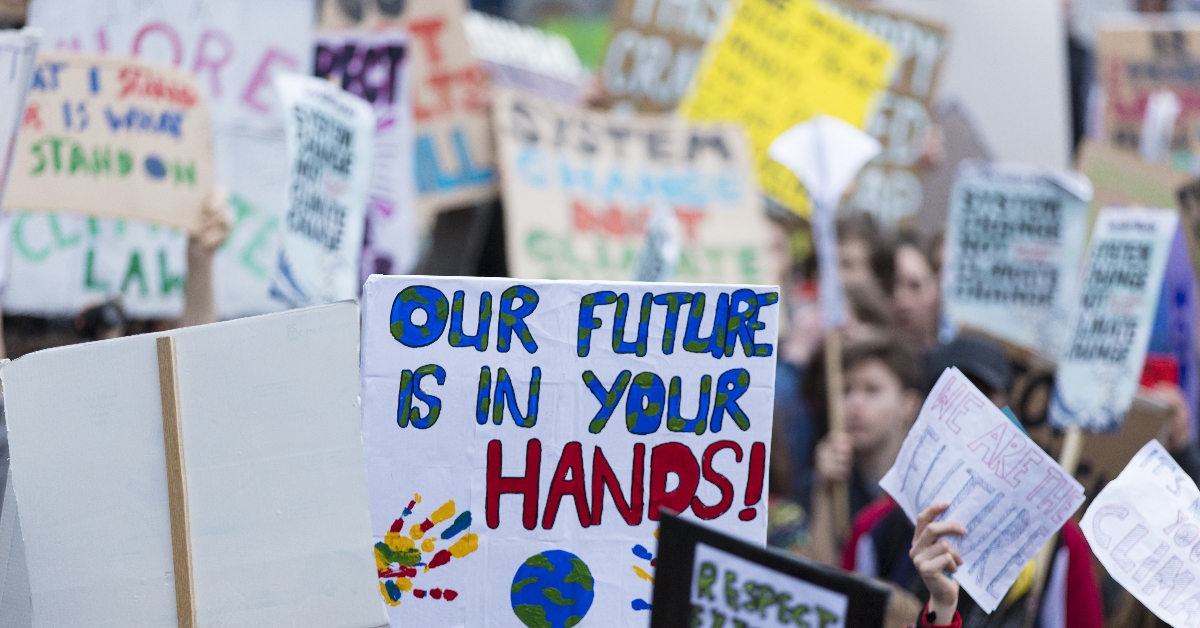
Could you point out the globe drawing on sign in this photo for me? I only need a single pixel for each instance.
(553, 589)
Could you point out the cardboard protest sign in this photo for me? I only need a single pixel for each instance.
(495, 459)
(1099, 370)
(455, 158)
(18, 50)
(890, 187)
(775, 65)
(1014, 243)
(577, 202)
(62, 264)
(273, 474)
(655, 50)
(526, 58)
(330, 142)
(233, 48)
(1138, 56)
(1143, 528)
(705, 578)
(1009, 494)
(1122, 179)
(374, 67)
(113, 137)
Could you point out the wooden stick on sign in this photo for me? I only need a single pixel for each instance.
(837, 425)
(181, 540)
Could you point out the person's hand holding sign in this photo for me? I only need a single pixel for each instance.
(936, 560)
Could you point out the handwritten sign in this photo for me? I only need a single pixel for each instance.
(655, 49)
(330, 140)
(455, 159)
(522, 436)
(62, 264)
(18, 50)
(527, 58)
(274, 465)
(1009, 494)
(1122, 179)
(1014, 244)
(1099, 371)
(113, 137)
(577, 202)
(774, 65)
(706, 579)
(374, 67)
(890, 187)
(233, 49)
(1143, 528)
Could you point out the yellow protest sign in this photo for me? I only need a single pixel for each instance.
(779, 62)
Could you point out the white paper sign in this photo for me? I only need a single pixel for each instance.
(1101, 366)
(62, 264)
(1014, 244)
(1145, 527)
(716, 571)
(277, 496)
(330, 138)
(234, 48)
(1009, 494)
(18, 50)
(517, 466)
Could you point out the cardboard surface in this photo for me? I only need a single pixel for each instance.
(577, 206)
(752, 73)
(524, 460)
(274, 471)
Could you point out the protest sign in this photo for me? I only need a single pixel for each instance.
(656, 48)
(1188, 196)
(962, 141)
(374, 67)
(1139, 56)
(707, 579)
(1122, 179)
(1143, 528)
(113, 137)
(455, 159)
(508, 508)
(272, 474)
(1100, 367)
(580, 187)
(62, 264)
(1172, 345)
(890, 187)
(1014, 244)
(330, 140)
(1009, 494)
(233, 48)
(774, 65)
(526, 58)
(18, 50)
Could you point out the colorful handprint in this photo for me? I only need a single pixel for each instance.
(398, 557)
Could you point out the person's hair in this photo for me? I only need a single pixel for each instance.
(893, 352)
(882, 252)
(929, 248)
(870, 306)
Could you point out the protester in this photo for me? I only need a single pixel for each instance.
(865, 257)
(916, 293)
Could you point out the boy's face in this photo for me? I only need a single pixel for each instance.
(878, 408)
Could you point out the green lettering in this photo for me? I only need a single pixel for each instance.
(708, 575)
(825, 618)
(89, 278)
(40, 156)
(124, 162)
(56, 147)
(170, 282)
(59, 239)
(23, 248)
(185, 174)
(135, 272)
(731, 592)
(101, 160)
(79, 160)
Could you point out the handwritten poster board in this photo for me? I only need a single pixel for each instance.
(113, 137)
(1121, 179)
(1143, 528)
(526, 58)
(705, 578)
(890, 187)
(374, 67)
(1099, 371)
(1009, 494)
(1014, 244)
(774, 65)
(1137, 56)
(330, 142)
(18, 50)
(520, 436)
(62, 264)
(655, 49)
(578, 203)
(273, 464)
(455, 157)
(233, 48)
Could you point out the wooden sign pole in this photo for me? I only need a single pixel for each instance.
(837, 425)
(181, 540)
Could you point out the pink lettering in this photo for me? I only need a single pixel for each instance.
(262, 78)
(164, 29)
(213, 62)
